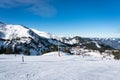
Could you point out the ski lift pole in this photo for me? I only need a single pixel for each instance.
(58, 49)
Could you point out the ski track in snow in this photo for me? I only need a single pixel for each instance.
(52, 67)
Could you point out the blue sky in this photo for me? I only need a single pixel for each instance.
(86, 18)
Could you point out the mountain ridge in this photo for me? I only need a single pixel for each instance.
(33, 42)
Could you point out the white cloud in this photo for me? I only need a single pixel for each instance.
(39, 7)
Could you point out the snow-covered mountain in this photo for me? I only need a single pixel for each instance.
(24, 40)
(20, 39)
(86, 43)
(113, 42)
(75, 41)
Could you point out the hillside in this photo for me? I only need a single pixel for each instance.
(113, 42)
(19, 39)
(23, 40)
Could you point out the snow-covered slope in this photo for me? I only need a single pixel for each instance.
(45, 34)
(56, 54)
(20, 39)
(97, 45)
(58, 68)
(113, 42)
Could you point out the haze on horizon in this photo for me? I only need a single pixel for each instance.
(86, 18)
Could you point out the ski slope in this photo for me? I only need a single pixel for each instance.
(52, 67)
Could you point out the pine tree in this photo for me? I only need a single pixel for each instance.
(16, 51)
(27, 51)
(1, 50)
(54, 48)
(116, 55)
(9, 49)
(46, 51)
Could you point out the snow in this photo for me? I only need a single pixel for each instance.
(52, 67)
(73, 41)
(44, 34)
(93, 54)
(14, 31)
(113, 39)
(118, 41)
(97, 45)
(56, 54)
